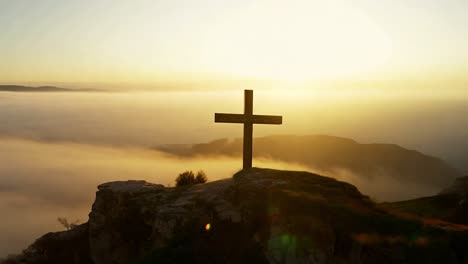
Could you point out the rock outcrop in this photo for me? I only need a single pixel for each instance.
(258, 216)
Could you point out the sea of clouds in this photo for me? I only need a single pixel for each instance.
(56, 148)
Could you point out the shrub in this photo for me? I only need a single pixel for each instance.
(189, 178)
(68, 225)
(201, 177)
(185, 178)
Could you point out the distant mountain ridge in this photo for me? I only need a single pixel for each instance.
(328, 154)
(21, 88)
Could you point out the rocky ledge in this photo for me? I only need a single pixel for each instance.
(257, 216)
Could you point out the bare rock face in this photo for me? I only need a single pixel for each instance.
(258, 216)
(118, 222)
(134, 219)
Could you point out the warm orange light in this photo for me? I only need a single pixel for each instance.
(208, 227)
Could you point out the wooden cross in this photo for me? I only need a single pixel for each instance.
(248, 119)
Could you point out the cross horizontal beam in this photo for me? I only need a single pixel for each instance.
(253, 119)
(267, 119)
(229, 118)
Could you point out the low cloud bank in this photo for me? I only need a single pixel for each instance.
(40, 182)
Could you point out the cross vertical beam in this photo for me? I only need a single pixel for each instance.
(248, 129)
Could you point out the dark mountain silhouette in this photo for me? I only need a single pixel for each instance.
(20, 88)
(327, 154)
(258, 216)
(449, 205)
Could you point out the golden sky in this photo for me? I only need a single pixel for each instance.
(149, 43)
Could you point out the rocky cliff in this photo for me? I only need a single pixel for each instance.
(258, 216)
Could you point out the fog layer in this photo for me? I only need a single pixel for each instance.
(43, 181)
(40, 182)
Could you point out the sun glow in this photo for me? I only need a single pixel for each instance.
(338, 41)
(156, 43)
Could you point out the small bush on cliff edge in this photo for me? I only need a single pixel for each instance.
(68, 225)
(189, 178)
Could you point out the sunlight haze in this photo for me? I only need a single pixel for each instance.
(208, 43)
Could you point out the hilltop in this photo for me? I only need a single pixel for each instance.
(257, 216)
